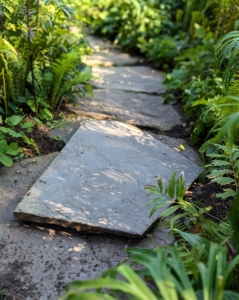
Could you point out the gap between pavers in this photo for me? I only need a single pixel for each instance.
(76, 120)
(133, 108)
(97, 182)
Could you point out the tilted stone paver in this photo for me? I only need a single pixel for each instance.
(133, 108)
(97, 182)
(136, 78)
(39, 260)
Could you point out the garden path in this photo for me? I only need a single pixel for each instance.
(38, 260)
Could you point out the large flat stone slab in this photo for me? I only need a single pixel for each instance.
(39, 260)
(133, 108)
(97, 182)
(136, 78)
(111, 57)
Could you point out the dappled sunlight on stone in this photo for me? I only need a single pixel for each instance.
(139, 109)
(97, 183)
(134, 78)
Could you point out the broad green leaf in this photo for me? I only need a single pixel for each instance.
(14, 120)
(219, 163)
(12, 149)
(223, 180)
(11, 132)
(6, 160)
(27, 125)
(3, 146)
(217, 173)
(31, 104)
(227, 193)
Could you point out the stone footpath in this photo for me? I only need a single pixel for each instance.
(96, 184)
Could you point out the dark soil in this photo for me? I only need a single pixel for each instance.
(45, 144)
(205, 193)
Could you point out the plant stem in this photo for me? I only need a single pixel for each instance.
(218, 211)
(4, 91)
(37, 13)
(31, 56)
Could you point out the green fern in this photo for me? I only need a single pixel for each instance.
(224, 169)
(227, 53)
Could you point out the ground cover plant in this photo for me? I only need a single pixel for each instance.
(197, 47)
(40, 67)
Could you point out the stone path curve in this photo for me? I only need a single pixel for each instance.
(38, 260)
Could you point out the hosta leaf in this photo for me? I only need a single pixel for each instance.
(6, 160)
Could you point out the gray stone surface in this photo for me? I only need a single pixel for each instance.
(136, 78)
(37, 260)
(65, 132)
(133, 108)
(179, 145)
(98, 44)
(111, 57)
(97, 182)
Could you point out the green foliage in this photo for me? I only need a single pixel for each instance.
(196, 217)
(224, 169)
(161, 276)
(52, 43)
(5, 149)
(227, 55)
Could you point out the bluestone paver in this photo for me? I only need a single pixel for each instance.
(97, 183)
(39, 260)
(132, 108)
(136, 79)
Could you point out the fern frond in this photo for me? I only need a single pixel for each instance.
(227, 53)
